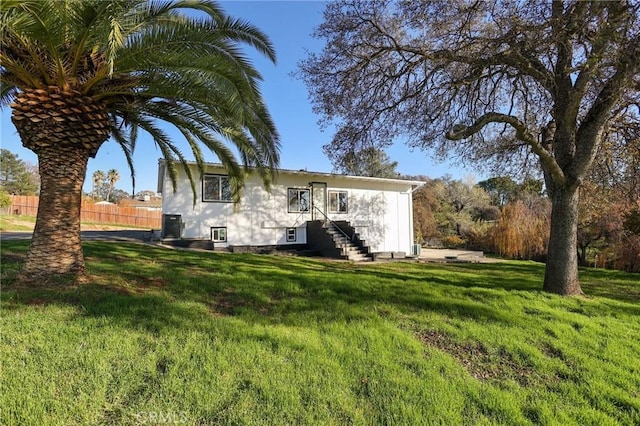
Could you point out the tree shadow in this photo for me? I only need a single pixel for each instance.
(158, 289)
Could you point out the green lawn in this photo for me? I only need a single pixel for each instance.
(10, 223)
(16, 222)
(158, 335)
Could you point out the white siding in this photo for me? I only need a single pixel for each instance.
(405, 228)
(379, 210)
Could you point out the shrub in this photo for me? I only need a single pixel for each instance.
(522, 232)
(453, 241)
(5, 199)
(479, 238)
(627, 255)
(632, 221)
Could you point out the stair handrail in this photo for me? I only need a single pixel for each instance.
(334, 224)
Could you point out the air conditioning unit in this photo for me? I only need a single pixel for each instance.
(416, 250)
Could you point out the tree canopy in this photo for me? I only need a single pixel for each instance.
(524, 85)
(371, 162)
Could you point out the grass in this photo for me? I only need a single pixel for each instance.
(158, 335)
(16, 222)
(10, 222)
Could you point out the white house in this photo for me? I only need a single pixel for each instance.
(376, 213)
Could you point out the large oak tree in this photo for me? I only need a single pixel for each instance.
(505, 82)
(76, 72)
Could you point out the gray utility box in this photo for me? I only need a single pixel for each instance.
(172, 226)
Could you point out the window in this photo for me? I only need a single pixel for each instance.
(338, 201)
(219, 235)
(216, 188)
(298, 200)
(291, 235)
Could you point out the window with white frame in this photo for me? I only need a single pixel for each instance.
(291, 235)
(338, 202)
(219, 234)
(298, 200)
(216, 188)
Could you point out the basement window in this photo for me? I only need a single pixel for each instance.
(219, 235)
(338, 202)
(291, 235)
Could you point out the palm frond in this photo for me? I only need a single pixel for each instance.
(170, 152)
(127, 144)
(7, 93)
(147, 62)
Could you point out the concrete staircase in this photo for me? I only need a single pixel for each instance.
(330, 240)
(350, 248)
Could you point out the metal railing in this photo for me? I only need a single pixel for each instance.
(334, 224)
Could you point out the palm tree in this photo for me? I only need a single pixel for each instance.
(76, 72)
(112, 177)
(98, 180)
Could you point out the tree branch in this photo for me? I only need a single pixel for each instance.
(522, 133)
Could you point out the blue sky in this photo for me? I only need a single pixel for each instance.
(289, 25)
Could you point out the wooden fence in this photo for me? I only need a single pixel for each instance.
(96, 213)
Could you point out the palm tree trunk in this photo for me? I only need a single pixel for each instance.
(561, 272)
(64, 129)
(56, 244)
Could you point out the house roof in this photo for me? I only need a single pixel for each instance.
(416, 183)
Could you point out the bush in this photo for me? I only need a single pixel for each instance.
(522, 232)
(453, 241)
(632, 221)
(479, 238)
(627, 256)
(5, 199)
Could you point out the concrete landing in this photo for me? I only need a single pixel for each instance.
(452, 255)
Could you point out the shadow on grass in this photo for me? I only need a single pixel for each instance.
(615, 285)
(156, 289)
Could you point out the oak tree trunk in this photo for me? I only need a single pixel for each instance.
(561, 273)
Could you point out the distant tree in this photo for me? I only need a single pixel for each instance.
(118, 195)
(98, 179)
(501, 189)
(632, 220)
(425, 207)
(485, 213)
(530, 186)
(612, 191)
(112, 177)
(513, 83)
(34, 175)
(463, 195)
(372, 162)
(618, 165)
(629, 253)
(15, 177)
(599, 219)
(460, 201)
